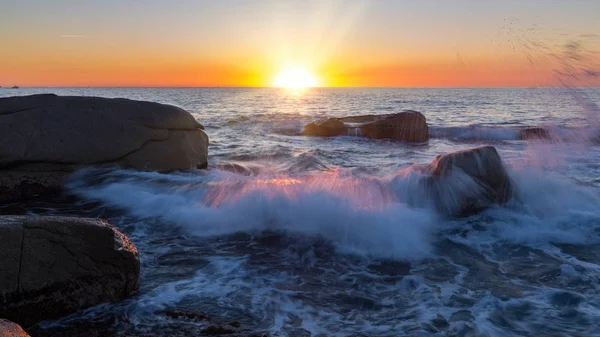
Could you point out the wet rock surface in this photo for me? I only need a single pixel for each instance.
(53, 266)
(10, 329)
(45, 137)
(409, 126)
(465, 182)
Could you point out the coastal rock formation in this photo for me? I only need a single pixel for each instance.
(408, 126)
(53, 266)
(465, 182)
(44, 137)
(10, 329)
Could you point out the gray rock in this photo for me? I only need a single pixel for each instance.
(408, 126)
(465, 182)
(10, 329)
(53, 266)
(45, 137)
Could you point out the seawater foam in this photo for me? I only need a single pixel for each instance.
(362, 215)
(358, 216)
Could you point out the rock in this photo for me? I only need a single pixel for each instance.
(326, 127)
(534, 133)
(53, 266)
(45, 137)
(465, 182)
(10, 329)
(408, 126)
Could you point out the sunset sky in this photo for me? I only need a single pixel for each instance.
(249, 42)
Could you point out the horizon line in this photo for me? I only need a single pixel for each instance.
(309, 88)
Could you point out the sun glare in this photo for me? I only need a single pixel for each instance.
(295, 78)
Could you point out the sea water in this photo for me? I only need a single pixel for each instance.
(317, 237)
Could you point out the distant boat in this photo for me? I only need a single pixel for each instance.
(15, 87)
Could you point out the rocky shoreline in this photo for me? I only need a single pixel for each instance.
(54, 266)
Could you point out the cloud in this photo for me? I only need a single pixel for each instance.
(73, 36)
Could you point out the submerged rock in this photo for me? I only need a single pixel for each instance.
(10, 329)
(44, 137)
(53, 266)
(408, 126)
(465, 182)
(534, 133)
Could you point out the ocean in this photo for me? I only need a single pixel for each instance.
(316, 237)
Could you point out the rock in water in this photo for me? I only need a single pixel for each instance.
(534, 133)
(326, 127)
(44, 137)
(408, 126)
(10, 329)
(53, 266)
(465, 182)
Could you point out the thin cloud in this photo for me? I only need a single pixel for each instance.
(73, 36)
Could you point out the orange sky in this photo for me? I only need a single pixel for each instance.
(342, 42)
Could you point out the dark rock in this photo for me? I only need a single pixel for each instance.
(408, 126)
(465, 182)
(361, 119)
(45, 137)
(10, 329)
(534, 133)
(54, 266)
(326, 127)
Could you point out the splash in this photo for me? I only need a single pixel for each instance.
(359, 215)
(387, 216)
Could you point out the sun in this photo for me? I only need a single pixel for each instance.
(295, 78)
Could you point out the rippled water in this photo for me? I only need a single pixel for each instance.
(316, 238)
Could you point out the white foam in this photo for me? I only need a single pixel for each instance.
(359, 216)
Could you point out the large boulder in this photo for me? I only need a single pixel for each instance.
(53, 266)
(44, 137)
(10, 329)
(408, 126)
(465, 182)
